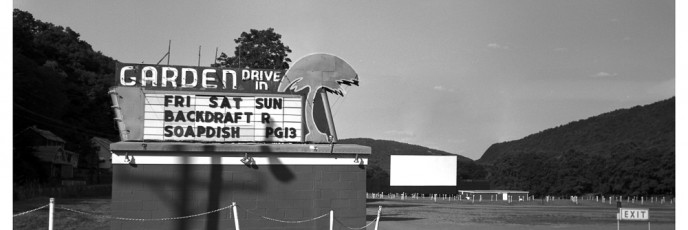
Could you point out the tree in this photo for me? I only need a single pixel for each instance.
(259, 49)
(60, 82)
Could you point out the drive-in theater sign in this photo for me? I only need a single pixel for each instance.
(194, 139)
(219, 105)
(228, 105)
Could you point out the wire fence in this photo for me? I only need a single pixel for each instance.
(526, 198)
(233, 207)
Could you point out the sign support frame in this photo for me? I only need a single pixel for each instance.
(328, 115)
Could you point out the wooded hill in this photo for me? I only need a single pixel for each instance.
(626, 152)
(377, 171)
(59, 84)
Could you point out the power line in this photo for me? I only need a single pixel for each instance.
(71, 129)
(63, 125)
(51, 110)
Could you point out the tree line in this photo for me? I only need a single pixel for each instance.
(59, 84)
(624, 152)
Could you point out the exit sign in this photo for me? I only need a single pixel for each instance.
(634, 214)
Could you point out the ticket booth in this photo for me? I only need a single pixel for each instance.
(195, 140)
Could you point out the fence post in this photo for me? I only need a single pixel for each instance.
(50, 215)
(236, 216)
(331, 219)
(378, 216)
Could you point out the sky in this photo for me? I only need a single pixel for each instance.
(456, 75)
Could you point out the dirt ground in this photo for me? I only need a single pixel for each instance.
(406, 214)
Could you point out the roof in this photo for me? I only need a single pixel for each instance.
(101, 141)
(55, 154)
(44, 133)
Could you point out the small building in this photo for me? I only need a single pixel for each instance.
(60, 162)
(39, 137)
(49, 148)
(493, 194)
(102, 148)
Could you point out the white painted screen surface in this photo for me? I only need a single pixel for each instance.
(416, 170)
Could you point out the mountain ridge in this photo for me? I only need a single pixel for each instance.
(624, 152)
(598, 134)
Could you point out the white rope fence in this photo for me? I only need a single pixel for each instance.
(142, 219)
(30, 211)
(366, 226)
(285, 221)
(233, 206)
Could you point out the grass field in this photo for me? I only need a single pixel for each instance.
(405, 214)
(63, 219)
(560, 214)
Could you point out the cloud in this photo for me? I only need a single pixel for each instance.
(604, 74)
(497, 46)
(442, 88)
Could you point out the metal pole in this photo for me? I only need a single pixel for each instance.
(236, 216)
(328, 115)
(169, 45)
(199, 55)
(215, 60)
(50, 215)
(331, 219)
(377, 221)
(617, 220)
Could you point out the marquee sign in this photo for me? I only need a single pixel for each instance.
(207, 104)
(222, 118)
